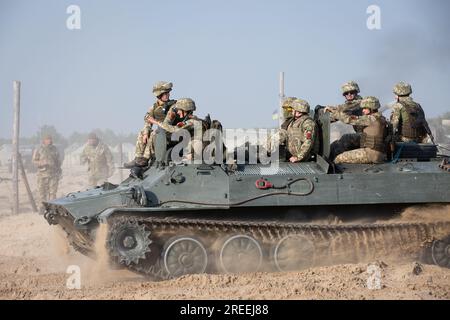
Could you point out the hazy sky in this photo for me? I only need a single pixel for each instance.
(226, 55)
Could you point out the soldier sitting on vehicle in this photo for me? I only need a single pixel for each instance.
(300, 135)
(146, 138)
(179, 117)
(408, 118)
(351, 106)
(373, 138)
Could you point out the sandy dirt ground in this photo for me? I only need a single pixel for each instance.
(34, 261)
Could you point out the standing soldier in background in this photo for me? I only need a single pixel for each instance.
(156, 114)
(351, 106)
(47, 159)
(373, 138)
(99, 160)
(408, 118)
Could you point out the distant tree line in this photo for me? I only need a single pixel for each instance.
(106, 135)
(112, 139)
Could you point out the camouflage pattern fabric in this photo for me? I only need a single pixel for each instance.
(100, 163)
(347, 142)
(47, 160)
(350, 86)
(157, 112)
(400, 116)
(279, 138)
(172, 124)
(301, 137)
(402, 89)
(360, 155)
(162, 87)
(351, 108)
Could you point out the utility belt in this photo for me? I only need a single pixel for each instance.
(373, 142)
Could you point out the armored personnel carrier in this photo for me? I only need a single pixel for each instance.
(195, 218)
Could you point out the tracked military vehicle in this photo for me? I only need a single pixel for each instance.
(193, 218)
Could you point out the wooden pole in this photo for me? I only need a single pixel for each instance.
(281, 96)
(27, 185)
(15, 149)
(121, 160)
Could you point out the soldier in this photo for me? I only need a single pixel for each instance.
(47, 159)
(156, 114)
(351, 106)
(373, 144)
(99, 160)
(407, 118)
(181, 116)
(301, 133)
(287, 111)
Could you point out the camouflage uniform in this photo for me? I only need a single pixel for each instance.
(47, 159)
(287, 111)
(300, 135)
(144, 151)
(407, 118)
(349, 141)
(172, 123)
(157, 112)
(373, 145)
(100, 162)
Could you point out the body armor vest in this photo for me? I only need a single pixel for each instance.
(373, 136)
(412, 126)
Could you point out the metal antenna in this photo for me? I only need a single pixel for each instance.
(281, 96)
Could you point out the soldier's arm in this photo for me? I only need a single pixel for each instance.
(150, 117)
(167, 124)
(364, 121)
(309, 133)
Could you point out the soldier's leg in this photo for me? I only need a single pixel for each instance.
(141, 152)
(353, 156)
(43, 189)
(40, 189)
(140, 144)
(53, 187)
(149, 151)
(347, 142)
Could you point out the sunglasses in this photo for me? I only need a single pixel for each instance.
(350, 93)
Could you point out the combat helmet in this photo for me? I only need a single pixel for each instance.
(402, 89)
(162, 87)
(287, 103)
(371, 103)
(350, 86)
(300, 105)
(185, 104)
